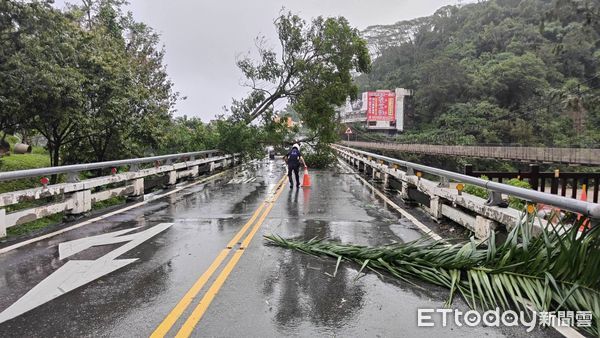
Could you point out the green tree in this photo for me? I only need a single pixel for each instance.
(313, 71)
(50, 88)
(129, 97)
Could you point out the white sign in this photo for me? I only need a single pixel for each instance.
(348, 131)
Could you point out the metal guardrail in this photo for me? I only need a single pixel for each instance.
(77, 197)
(67, 169)
(591, 210)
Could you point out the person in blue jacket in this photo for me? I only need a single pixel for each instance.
(293, 160)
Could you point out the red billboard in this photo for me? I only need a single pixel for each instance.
(381, 106)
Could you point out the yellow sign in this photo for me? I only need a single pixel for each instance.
(460, 187)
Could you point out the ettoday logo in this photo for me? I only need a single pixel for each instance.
(497, 318)
(492, 318)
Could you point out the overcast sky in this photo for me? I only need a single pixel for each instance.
(203, 37)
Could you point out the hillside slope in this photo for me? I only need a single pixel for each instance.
(498, 71)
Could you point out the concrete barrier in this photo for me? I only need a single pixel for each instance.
(467, 210)
(79, 196)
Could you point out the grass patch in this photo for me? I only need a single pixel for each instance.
(33, 226)
(24, 161)
(109, 202)
(21, 162)
(30, 227)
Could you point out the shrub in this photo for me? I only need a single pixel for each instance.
(477, 191)
(319, 157)
(515, 202)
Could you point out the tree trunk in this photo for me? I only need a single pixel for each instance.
(54, 149)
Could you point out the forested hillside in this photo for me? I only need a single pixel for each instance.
(498, 71)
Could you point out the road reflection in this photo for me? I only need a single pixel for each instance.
(301, 285)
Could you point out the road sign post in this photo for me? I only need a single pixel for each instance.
(348, 132)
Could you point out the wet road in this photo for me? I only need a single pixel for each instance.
(258, 290)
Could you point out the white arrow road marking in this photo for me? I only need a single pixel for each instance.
(78, 273)
(68, 249)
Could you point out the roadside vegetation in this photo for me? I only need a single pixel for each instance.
(513, 202)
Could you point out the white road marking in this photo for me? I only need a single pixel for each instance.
(68, 249)
(78, 273)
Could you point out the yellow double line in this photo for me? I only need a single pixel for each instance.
(198, 312)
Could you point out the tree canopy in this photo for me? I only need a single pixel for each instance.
(90, 79)
(313, 71)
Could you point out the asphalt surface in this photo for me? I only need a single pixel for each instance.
(269, 292)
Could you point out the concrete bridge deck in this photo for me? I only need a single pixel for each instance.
(176, 285)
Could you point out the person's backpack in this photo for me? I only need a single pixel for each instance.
(294, 157)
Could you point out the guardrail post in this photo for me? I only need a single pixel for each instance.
(435, 207)
(444, 183)
(195, 171)
(172, 177)
(469, 170)
(368, 170)
(2, 223)
(73, 177)
(138, 187)
(81, 202)
(484, 227)
(404, 193)
(534, 178)
(554, 183)
(494, 199)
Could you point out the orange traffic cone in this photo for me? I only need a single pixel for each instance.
(583, 197)
(306, 179)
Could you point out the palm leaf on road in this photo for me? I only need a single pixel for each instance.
(559, 270)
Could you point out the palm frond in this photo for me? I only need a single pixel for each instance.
(558, 270)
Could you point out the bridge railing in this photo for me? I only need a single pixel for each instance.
(496, 189)
(585, 156)
(76, 196)
(77, 168)
(558, 182)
